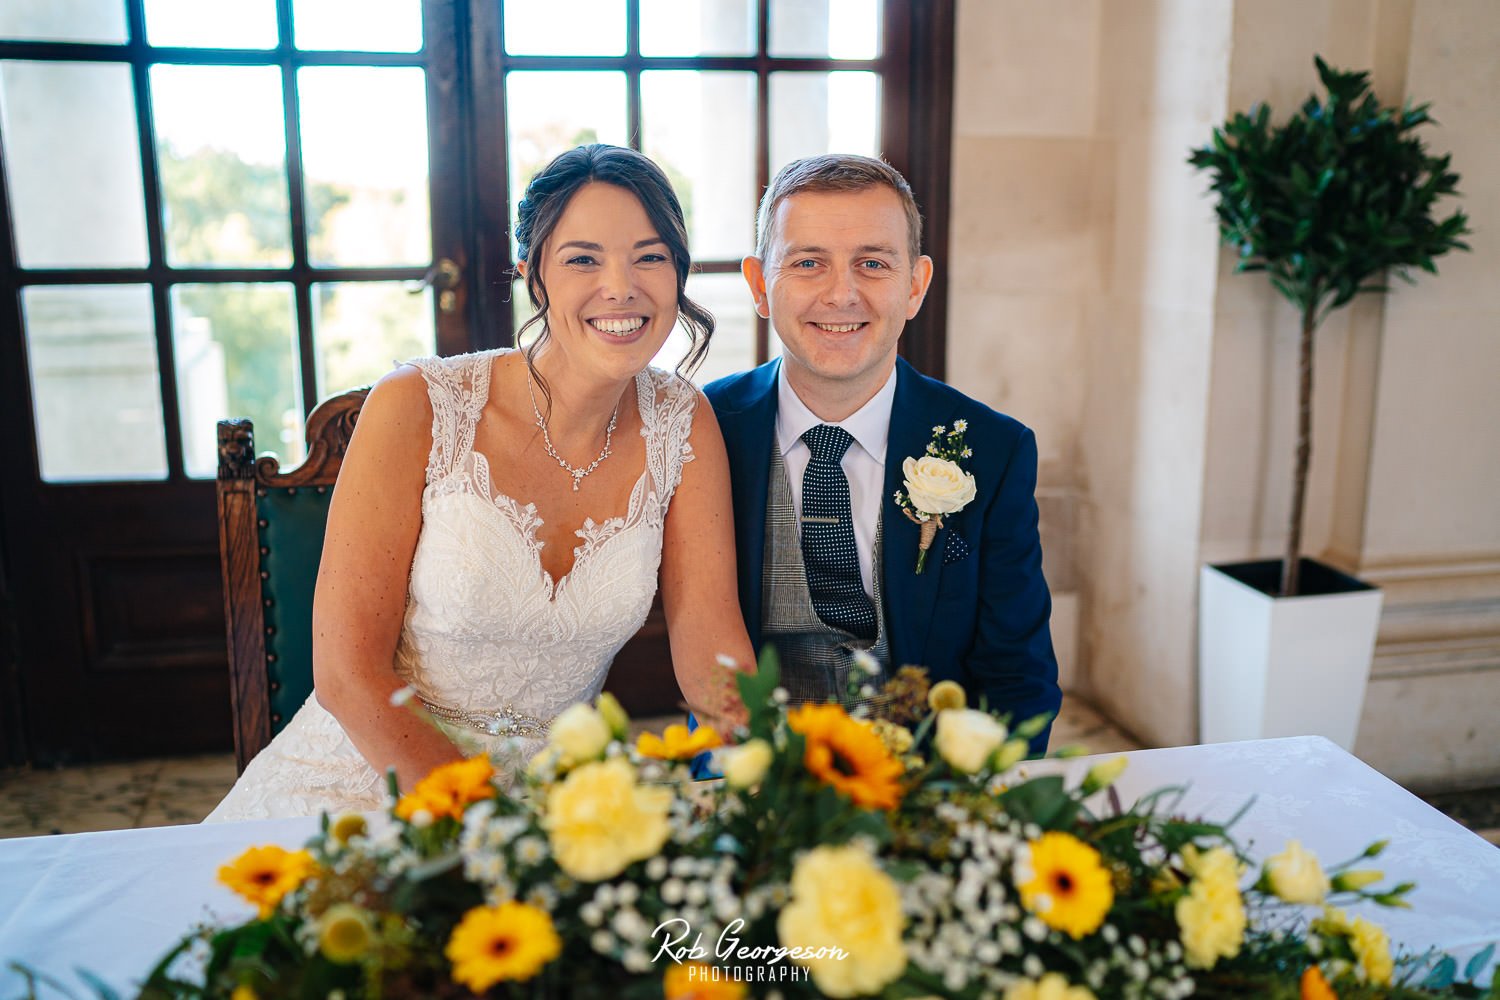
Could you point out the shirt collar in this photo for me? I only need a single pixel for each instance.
(870, 425)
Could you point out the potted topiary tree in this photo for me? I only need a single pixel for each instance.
(1327, 205)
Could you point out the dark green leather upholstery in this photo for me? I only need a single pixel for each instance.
(291, 523)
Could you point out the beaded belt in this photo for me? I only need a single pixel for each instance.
(501, 722)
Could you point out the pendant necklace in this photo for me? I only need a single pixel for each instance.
(572, 470)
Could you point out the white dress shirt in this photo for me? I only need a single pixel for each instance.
(863, 463)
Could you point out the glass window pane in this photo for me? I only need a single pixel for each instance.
(838, 29)
(815, 113)
(550, 113)
(705, 28)
(381, 26)
(236, 355)
(95, 382)
(63, 20)
(73, 163)
(221, 143)
(360, 328)
(732, 348)
(575, 28)
(700, 127)
(364, 161)
(222, 24)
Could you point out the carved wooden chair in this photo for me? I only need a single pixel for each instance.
(270, 541)
(271, 527)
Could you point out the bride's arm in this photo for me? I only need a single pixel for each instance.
(373, 522)
(699, 589)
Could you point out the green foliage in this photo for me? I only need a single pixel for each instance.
(1339, 194)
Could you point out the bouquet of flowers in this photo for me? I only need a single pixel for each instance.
(840, 856)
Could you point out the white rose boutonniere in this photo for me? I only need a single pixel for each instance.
(936, 484)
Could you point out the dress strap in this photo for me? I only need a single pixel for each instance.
(666, 404)
(458, 388)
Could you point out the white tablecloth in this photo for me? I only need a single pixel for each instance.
(114, 902)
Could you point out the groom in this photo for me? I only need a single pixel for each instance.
(817, 438)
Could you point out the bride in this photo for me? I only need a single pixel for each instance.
(501, 518)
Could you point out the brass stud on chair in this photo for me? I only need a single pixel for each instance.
(270, 657)
(270, 630)
(265, 575)
(275, 718)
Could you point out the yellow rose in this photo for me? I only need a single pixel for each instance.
(1052, 986)
(936, 485)
(945, 695)
(1295, 875)
(345, 933)
(1373, 949)
(581, 733)
(841, 899)
(599, 820)
(966, 739)
(1212, 914)
(745, 765)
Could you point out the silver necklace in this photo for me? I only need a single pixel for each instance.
(572, 470)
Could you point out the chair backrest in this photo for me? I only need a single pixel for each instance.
(271, 527)
(270, 541)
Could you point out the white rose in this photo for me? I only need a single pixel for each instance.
(746, 764)
(1295, 875)
(936, 485)
(581, 733)
(967, 739)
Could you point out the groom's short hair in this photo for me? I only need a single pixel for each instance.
(835, 172)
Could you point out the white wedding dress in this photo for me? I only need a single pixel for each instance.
(490, 643)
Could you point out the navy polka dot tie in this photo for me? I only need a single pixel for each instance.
(828, 550)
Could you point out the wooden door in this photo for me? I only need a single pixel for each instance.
(205, 217)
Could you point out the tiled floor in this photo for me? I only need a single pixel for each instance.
(161, 792)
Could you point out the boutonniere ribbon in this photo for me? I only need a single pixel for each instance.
(936, 484)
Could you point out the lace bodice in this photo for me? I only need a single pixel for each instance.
(487, 631)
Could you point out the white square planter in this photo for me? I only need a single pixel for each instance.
(1283, 666)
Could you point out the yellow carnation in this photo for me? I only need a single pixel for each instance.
(1295, 875)
(1211, 916)
(697, 981)
(1373, 949)
(262, 875)
(1064, 882)
(600, 820)
(509, 942)
(841, 899)
(1052, 986)
(345, 933)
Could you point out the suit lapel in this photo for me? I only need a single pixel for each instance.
(749, 428)
(909, 596)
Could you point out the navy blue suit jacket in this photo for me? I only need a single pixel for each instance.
(979, 612)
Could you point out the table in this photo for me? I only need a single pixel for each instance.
(114, 902)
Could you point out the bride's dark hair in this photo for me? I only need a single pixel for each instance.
(548, 195)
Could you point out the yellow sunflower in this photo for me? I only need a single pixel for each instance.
(449, 789)
(263, 875)
(493, 944)
(848, 755)
(1065, 883)
(676, 743)
(697, 981)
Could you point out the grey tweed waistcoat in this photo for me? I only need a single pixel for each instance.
(816, 657)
